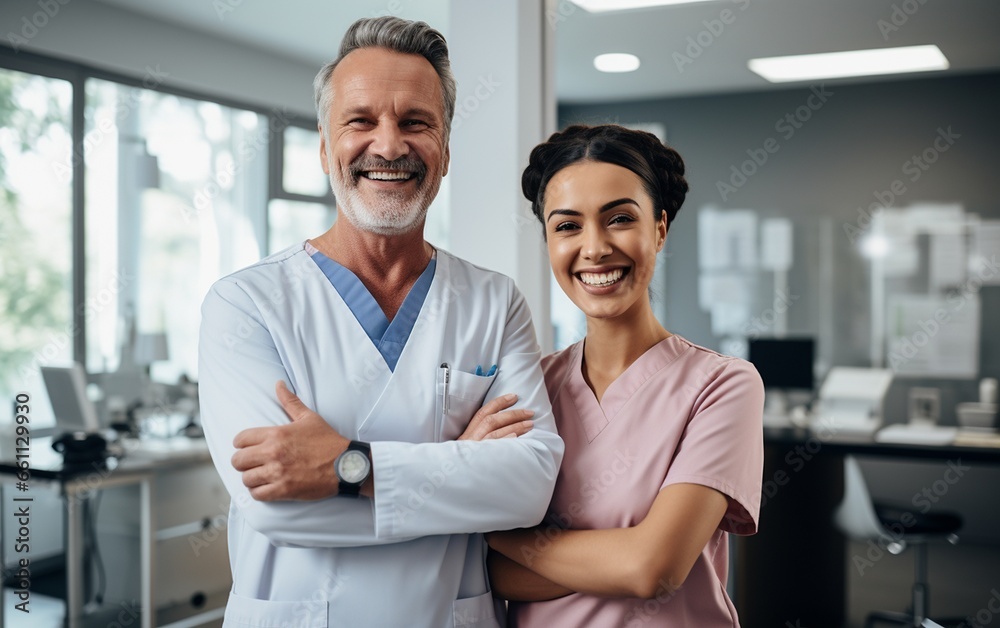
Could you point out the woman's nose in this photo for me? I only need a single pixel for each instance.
(595, 245)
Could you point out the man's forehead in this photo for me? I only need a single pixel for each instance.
(382, 60)
(377, 73)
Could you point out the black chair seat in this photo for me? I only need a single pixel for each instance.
(916, 522)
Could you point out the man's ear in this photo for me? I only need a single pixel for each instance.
(447, 160)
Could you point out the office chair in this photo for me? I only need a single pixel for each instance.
(897, 528)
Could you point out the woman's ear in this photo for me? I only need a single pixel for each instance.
(661, 232)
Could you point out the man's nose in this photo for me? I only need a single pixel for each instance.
(388, 142)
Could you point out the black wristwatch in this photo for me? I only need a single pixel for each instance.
(353, 467)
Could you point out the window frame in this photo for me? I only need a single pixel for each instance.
(77, 74)
(276, 172)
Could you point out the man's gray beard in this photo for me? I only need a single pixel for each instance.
(391, 216)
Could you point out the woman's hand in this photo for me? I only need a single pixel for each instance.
(494, 420)
(512, 581)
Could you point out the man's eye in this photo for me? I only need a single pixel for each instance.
(414, 123)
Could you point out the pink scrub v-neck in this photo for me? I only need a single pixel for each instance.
(596, 415)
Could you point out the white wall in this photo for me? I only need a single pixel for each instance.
(506, 105)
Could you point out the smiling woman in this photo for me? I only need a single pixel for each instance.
(664, 448)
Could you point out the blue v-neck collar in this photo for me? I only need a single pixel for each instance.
(389, 337)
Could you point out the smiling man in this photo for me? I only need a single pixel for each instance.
(360, 498)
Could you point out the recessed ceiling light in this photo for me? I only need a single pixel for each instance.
(603, 6)
(850, 63)
(616, 62)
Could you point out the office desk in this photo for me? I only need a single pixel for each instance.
(794, 568)
(139, 468)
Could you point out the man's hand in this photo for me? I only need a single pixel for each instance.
(293, 461)
(494, 421)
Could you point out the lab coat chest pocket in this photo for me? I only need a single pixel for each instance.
(461, 395)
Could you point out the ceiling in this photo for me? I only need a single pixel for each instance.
(692, 49)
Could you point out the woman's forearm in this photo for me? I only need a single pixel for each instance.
(515, 582)
(596, 562)
(647, 560)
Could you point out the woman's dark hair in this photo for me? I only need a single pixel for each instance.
(660, 167)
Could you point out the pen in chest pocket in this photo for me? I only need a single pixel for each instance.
(446, 377)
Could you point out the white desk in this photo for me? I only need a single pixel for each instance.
(142, 466)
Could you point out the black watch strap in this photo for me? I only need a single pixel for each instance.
(350, 488)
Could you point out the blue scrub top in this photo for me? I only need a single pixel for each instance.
(388, 337)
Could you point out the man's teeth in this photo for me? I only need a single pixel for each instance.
(388, 176)
(602, 279)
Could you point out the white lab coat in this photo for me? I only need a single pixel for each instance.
(412, 556)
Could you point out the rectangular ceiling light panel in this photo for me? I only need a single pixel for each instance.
(603, 6)
(850, 63)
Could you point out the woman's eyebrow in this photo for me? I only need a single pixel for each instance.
(605, 207)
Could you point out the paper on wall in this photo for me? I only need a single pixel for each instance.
(934, 335)
(776, 244)
(727, 239)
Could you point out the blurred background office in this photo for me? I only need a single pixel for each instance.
(842, 231)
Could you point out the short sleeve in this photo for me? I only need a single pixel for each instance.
(723, 445)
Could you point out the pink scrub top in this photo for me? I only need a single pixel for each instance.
(679, 414)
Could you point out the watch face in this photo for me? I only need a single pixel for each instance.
(353, 466)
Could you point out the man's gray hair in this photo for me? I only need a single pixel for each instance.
(399, 35)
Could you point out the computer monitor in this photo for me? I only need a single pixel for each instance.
(784, 363)
(67, 388)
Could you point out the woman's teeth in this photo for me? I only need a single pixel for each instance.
(602, 279)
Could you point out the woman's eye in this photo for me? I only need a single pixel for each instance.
(565, 226)
(621, 218)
